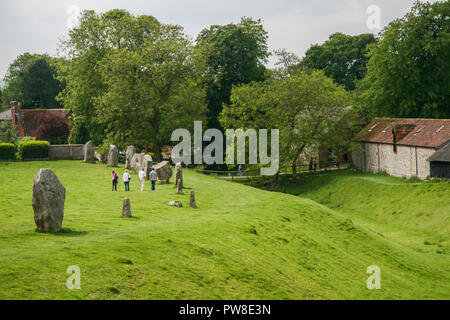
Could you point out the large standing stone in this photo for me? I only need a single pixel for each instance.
(113, 156)
(175, 203)
(136, 162)
(192, 200)
(89, 152)
(126, 210)
(48, 201)
(131, 150)
(178, 175)
(147, 163)
(164, 171)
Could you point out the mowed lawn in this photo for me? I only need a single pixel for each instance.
(240, 243)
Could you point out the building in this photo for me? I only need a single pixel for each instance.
(26, 120)
(440, 163)
(402, 147)
(5, 115)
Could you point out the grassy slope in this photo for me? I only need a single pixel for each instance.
(416, 215)
(240, 243)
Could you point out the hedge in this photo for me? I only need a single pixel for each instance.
(33, 149)
(7, 151)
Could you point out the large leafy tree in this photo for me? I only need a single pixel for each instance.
(307, 108)
(342, 57)
(87, 45)
(30, 79)
(152, 91)
(236, 54)
(409, 70)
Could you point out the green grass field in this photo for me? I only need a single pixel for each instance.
(240, 243)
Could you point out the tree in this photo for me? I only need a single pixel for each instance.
(53, 128)
(88, 43)
(305, 107)
(31, 80)
(9, 133)
(152, 91)
(236, 54)
(342, 57)
(409, 70)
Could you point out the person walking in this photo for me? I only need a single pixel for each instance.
(153, 176)
(115, 179)
(337, 162)
(126, 180)
(240, 169)
(142, 179)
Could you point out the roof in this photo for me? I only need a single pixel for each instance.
(5, 115)
(442, 155)
(431, 133)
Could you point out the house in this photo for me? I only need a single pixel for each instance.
(402, 147)
(26, 119)
(5, 115)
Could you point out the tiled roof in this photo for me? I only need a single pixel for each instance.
(431, 133)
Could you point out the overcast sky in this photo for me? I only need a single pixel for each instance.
(36, 26)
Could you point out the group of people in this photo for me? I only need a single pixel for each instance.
(127, 178)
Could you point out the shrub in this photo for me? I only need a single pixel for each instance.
(53, 128)
(8, 132)
(7, 151)
(33, 149)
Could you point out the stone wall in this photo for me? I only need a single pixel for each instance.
(66, 152)
(407, 162)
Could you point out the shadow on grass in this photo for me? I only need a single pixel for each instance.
(66, 232)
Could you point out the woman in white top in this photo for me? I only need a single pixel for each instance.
(126, 180)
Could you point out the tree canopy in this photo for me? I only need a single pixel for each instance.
(236, 54)
(31, 79)
(342, 57)
(409, 70)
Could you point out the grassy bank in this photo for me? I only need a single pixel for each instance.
(240, 243)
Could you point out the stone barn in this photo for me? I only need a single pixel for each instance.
(440, 163)
(401, 147)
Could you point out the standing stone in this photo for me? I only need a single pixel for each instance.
(176, 203)
(113, 156)
(178, 175)
(192, 202)
(126, 210)
(48, 201)
(131, 150)
(164, 171)
(180, 187)
(89, 152)
(147, 163)
(136, 162)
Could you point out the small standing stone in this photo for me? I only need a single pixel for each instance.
(180, 187)
(192, 202)
(175, 203)
(113, 156)
(178, 174)
(89, 152)
(48, 201)
(126, 211)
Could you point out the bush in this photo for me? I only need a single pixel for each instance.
(8, 132)
(33, 149)
(53, 128)
(7, 151)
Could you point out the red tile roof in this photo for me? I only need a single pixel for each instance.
(431, 133)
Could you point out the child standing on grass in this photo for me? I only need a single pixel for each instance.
(126, 180)
(115, 179)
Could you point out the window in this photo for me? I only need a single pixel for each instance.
(374, 126)
(442, 127)
(418, 131)
(385, 129)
